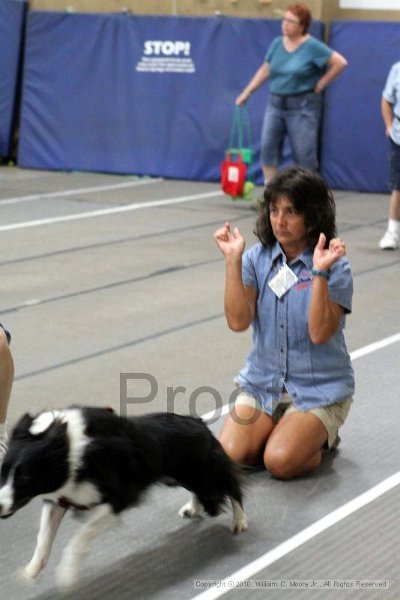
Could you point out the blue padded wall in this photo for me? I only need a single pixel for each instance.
(145, 95)
(354, 145)
(11, 27)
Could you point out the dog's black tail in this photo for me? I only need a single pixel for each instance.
(221, 483)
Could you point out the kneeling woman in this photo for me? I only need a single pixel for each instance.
(295, 288)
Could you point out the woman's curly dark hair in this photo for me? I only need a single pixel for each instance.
(310, 196)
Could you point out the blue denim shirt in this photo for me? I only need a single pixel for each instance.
(283, 356)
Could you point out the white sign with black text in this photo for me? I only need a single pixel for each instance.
(166, 56)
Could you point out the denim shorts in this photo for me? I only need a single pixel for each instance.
(298, 117)
(394, 162)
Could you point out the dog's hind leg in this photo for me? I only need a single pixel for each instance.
(191, 509)
(50, 520)
(101, 518)
(239, 522)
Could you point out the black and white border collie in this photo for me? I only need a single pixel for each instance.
(90, 458)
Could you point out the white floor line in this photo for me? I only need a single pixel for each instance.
(354, 355)
(307, 534)
(90, 190)
(109, 211)
(272, 556)
(375, 346)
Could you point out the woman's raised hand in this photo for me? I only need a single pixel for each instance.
(229, 242)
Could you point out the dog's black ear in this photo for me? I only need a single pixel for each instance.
(21, 429)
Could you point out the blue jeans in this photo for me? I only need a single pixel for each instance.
(297, 116)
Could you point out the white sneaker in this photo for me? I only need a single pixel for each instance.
(3, 445)
(390, 241)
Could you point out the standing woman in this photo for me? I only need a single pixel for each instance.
(294, 288)
(299, 68)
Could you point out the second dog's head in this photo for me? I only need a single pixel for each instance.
(36, 462)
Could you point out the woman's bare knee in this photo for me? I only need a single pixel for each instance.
(284, 464)
(244, 434)
(278, 464)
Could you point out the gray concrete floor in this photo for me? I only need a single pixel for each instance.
(140, 292)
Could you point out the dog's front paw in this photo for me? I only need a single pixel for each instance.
(190, 510)
(239, 525)
(26, 574)
(31, 571)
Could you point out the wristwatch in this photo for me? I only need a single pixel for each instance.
(319, 273)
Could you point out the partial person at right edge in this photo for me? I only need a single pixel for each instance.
(391, 116)
(299, 68)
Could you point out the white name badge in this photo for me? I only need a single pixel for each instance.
(283, 281)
